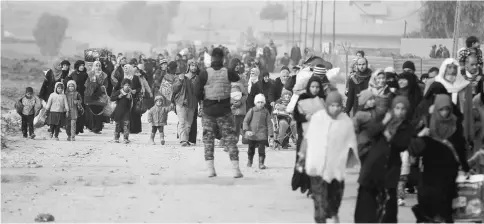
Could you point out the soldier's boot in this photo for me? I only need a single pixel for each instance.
(211, 168)
(236, 169)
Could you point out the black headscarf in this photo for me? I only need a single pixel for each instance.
(78, 64)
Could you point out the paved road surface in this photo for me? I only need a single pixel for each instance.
(94, 180)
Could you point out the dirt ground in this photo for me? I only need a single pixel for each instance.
(95, 180)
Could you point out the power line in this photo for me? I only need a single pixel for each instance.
(392, 19)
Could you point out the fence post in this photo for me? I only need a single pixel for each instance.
(421, 66)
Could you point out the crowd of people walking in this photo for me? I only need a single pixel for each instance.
(392, 125)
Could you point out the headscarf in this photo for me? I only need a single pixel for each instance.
(78, 64)
(453, 88)
(253, 78)
(333, 97)
(440, 127)
(395, 122)
(364, 96)
(373, 87)
(130, 74)
(57, 69)
(120, 58)
(96, 72)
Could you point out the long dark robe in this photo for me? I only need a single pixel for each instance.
(48, 85)
(108, 68)
(93, 113)
(192, 136)
(135, 119)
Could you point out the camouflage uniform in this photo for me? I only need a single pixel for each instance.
(226, 127)
(122, 127)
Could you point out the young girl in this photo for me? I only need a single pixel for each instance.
(58, 109)
(258, 127)
(442, 147)
(74, 100)
(331, 148)
(122, 112)
(158, 116)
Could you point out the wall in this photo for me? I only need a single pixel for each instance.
(421, 46)
(357, 41)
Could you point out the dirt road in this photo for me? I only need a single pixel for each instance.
(95, 180)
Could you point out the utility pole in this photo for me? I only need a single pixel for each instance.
(287, 24)
(314, 23)
(306, 33)
(293, 19)
(405, 30)
(321, 28)
(334, 27)
(209, 25)
(300, 23)
(455, 38)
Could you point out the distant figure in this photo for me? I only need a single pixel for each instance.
(432, 51)
(445, 52)
(295, 54)
(438, 54)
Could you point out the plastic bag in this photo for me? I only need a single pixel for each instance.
(468, 206)
(39, 120)
(109, 108)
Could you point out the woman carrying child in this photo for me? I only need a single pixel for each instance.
(380, 172)
(307, 104)
(442, 147)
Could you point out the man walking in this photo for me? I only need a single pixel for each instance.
(214, 87)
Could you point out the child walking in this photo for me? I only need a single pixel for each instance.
(27, 107)
(74, 100)
(58, 109)
(258, 127)
(158, 116)
(121, 114)
(331, 148)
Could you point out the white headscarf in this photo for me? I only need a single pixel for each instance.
(459, 84)
(130, 74)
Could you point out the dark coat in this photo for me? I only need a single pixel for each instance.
(276, 90)
(48, 85)
(437, 187)
(122, 112)
(381, 168)
(258, 88)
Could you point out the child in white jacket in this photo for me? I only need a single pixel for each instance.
(58, 109)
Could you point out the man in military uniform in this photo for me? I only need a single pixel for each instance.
(213, 88)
